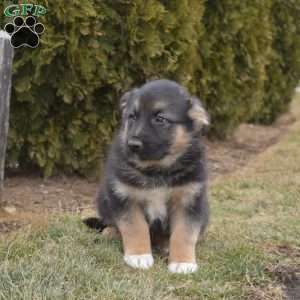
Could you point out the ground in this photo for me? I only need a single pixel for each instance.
(251, 250)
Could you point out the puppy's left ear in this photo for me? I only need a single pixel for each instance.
(125, 99)
(198, 114)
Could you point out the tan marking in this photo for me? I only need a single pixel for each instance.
(125, 98)
(123, 106)
(157, 208)
(135, 233)
(181, 142)
(158, 194)
(111, 233)
(183, 239)
(184, 236)
(155, 199)
(197, 113)
(123, 101)
(182, 196)
(140, 194)
(166, 162)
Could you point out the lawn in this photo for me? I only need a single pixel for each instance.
(251, 250)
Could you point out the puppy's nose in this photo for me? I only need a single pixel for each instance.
(135, 145)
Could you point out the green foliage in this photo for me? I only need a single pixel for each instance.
(240, 57)
(234, 55)
(283, 71)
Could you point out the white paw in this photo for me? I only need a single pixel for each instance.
(143, 261)
(182, 267)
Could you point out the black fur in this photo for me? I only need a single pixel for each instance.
(122, 165)
(94, 223)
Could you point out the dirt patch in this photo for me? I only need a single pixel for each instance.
(283, 250)
(57, 195)
(247, 141)
(287, 271)
(12, 225)
(32, 194)
(289, 276)
(270, 292)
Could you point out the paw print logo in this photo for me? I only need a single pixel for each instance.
(24, 32)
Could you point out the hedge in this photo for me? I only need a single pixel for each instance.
(283, 71)
(240, 57)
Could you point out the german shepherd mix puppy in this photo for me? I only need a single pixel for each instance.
(154, 184)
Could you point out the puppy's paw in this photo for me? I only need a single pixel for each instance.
(182, 267)
(143, 261)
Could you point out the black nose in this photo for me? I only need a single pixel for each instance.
(135, 145)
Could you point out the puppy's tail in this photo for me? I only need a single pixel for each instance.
(94, 223)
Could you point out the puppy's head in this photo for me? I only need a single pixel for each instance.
(158, 122)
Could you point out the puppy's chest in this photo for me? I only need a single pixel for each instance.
(156, 202)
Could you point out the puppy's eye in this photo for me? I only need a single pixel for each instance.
(161, 120)
(132, 116)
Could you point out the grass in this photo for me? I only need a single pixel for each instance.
(251, 249)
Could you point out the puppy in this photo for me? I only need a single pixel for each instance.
(154, 182)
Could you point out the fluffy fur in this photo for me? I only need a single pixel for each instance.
(153, 189)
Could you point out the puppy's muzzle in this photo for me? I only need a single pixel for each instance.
(135, 145)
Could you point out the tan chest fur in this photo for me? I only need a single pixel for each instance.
(156, 200)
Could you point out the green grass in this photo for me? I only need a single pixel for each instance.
(255, 213)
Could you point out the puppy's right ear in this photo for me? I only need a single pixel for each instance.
(125, 100)
(198, 114)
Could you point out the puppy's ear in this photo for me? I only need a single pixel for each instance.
(125, 99)
(198, 114)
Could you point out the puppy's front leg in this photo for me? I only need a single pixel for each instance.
(184, 236)
(136, 239)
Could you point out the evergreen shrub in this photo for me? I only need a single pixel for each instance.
(241, 58)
